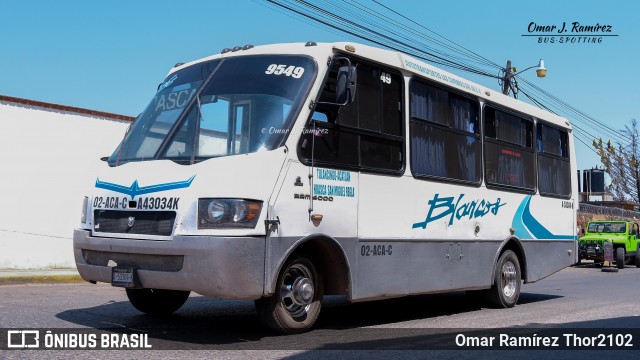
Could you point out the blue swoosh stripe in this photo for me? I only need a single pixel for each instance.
(135, 189)
(518, 224)
(528, 226)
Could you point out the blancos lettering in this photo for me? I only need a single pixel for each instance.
(453, 209)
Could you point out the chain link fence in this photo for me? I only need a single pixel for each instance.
(608, 211)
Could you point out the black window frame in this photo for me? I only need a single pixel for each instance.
(565, 159)
(446, 128)
(531, 151)
(320, 126)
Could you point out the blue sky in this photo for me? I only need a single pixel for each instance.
(111, 55)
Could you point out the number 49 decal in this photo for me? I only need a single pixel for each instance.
(385, 78)
(293, 71)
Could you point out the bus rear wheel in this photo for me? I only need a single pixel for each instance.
(297, 301)
(157, 301)
(506, 281)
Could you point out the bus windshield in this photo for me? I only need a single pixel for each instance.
(219, 108)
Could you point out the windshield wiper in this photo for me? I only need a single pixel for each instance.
(182, 117)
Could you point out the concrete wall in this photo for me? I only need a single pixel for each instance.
(48, 158)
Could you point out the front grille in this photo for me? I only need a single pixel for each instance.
(592, 243)
(134, 222)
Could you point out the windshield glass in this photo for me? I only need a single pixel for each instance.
(220, 108)
(607, 227)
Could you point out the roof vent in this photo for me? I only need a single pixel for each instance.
(178, 64)
(310, 43)
(225, 50)
(247, 47)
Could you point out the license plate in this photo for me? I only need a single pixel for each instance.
(124, 277)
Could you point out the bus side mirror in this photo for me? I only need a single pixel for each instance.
(582, 231)
(346, 85)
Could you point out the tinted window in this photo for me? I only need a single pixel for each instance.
(445, 141)
(509, 156)
(554, 169)
(365, 134)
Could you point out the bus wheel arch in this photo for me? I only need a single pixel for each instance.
(309, 268)
(508, 273)
(329, 259)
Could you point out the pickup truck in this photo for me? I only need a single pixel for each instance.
(623, 235)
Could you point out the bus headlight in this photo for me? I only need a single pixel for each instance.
(228, 213)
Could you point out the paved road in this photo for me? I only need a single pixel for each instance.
(578, 297)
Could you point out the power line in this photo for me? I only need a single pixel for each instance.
(433, 32)
(303, 19)
(336, 21)
(380, 29)
(463, 51)
(573, 113)
(574, 110)
(577, 137)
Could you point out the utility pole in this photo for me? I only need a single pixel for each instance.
(506, 81)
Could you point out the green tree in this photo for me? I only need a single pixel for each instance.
(621, 163)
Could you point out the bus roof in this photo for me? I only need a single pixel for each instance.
(400, 61)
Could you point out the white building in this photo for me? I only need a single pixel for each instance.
(48, 156)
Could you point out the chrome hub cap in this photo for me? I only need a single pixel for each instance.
(303, 291)
(509, 279)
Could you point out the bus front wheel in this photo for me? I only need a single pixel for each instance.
(506, 281)
(157, 301)
(297, 301)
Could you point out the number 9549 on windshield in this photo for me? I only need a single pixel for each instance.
(290, 70)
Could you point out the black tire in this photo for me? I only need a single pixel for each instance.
(506, 281)
(157, 301)
(637, 259)
(297, 301)
(620, 258)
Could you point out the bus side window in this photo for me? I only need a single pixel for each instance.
(366, 134)
(445, 138)
(509, 151)
(554, 169)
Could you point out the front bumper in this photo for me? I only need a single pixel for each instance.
(223, 267)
